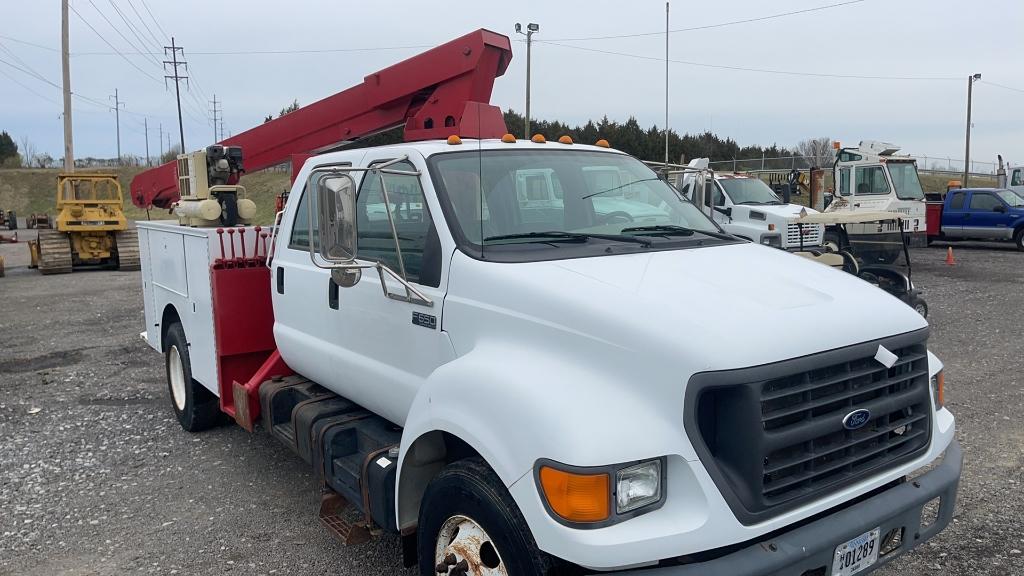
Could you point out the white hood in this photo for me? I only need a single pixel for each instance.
(700, 309)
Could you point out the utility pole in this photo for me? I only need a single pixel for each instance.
(967, 147)
(530, 29)
(145, 126)
(65, 62)
(117, 116)
(174, 62)
(666, 89)
(215, 111)
(161, 139)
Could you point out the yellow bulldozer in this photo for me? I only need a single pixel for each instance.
(91, 228)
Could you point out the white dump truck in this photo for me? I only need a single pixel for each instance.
(520, 390)
(745, 206)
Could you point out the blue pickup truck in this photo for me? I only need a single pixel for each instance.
(977, 214)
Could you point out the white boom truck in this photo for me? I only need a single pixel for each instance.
(870, 178)
(746, 207)
(523, 394)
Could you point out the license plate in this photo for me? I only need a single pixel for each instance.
(856, 555)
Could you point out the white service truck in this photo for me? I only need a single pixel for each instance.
(525, 392)
(745, 206)
(873, 177)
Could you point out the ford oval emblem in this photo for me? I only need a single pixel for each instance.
(856, 419)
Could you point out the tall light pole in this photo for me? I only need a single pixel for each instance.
(967, 147)
(530, 29)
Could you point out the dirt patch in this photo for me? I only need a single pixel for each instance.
(41, 362)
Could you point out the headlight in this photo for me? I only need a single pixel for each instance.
(938, 384)
(773, 240)
(592, 497)
(637, 486)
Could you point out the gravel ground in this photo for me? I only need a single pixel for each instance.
(96, 477)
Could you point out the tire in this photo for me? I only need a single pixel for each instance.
(195, 407)
(469, 496)
(12, 220)
(228, 208)
(832, 240)
(921, 307)
(1018, 238)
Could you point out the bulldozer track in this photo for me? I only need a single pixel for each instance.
(127, 242)
(54, 252)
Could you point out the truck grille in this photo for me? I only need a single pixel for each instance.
(812, 235)
(775, 438)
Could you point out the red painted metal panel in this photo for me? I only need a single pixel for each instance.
(428, 93)
(933, 217)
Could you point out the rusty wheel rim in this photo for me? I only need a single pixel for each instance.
(463, 547)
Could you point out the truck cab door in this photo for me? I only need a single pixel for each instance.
(953, 214)
(301, 294)
(986, 217)
(388, 347)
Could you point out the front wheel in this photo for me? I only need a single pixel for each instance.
(469, 524)
(1018, 239)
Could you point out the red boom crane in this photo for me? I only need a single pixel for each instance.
(440, 92)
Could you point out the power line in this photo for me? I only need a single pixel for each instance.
(112, 27)
(747, 69)
(105, 41)
(132, 28)
(718, 25)
(155, 21)
(27, 87)
(284, 51)
(156, 40)
(27, 43)
(1001, 86)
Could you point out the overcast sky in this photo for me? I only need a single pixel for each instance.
(938, 43)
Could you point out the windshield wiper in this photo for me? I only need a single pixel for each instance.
(572, 237)
(674, 230)
(621, 186)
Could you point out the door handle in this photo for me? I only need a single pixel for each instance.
(332, 294)
(280, 280)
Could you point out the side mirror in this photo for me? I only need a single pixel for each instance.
(999, 208)
(726, 211)
(336, 212)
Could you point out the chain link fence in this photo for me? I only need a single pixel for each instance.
(926, 164)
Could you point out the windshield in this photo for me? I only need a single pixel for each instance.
(562, 200)
(1013, 199)
(904, 178)
(749, 191)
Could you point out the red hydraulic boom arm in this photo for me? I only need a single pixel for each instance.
(443, 91)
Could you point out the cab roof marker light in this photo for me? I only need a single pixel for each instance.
(454, 140)
(602, 143)
(566, 139)
(538, 139)
(508, 139)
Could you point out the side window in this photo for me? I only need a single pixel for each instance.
(871, 180)
(299, 239)
(718, 195)
(985, 202)
(844, 181)
(1017, 179)
(408, 208)
(957, 202)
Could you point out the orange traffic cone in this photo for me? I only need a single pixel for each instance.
(949, 256)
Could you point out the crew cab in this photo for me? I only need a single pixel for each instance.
(745, 206)
(978, 214)
(524, 390)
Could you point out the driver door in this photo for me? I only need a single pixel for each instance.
(389, 346)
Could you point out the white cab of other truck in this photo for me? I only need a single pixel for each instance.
(569, 379)
(745, 206)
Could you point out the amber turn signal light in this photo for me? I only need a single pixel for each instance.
(577, 497)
